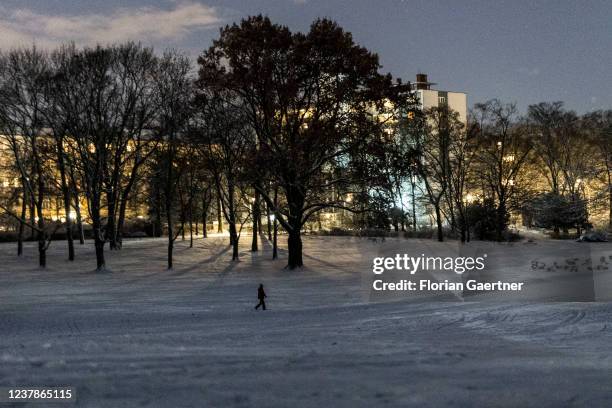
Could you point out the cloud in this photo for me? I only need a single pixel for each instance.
(24, 26)
(529, 71)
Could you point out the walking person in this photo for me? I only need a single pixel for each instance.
(261, 295)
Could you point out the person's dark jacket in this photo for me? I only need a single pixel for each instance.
(260, 293)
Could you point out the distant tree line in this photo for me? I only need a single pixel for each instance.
(280, 126)
(550, 166)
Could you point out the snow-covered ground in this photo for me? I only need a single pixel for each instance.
(145, 336)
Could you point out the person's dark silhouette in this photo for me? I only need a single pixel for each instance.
(261, 295)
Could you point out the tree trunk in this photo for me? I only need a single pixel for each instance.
(275, 237)
(111, 226)
(190, 208)
(122, 210)
(169, 196)
(233, 233)
(80, 227)
(183, 220)
(256, 220)
(295, 249)
(98, 235)
(32, 217)
(219, 214)
(259, 224)
(295, 200)
(69, 237)
(451, 211)
(74, 195)
(120, 223)
(42, 253)
(231, 212)
(462, 221)
(204, 217)
(414, 220)
(40, 195)
(439, 223)
(170, 249)
(66, 197)
(233, 240)
(610, 199)
(610, 214)
(99, 244)
(190, 224)
(275, 240)
(170, 232)
(464, 225)
(269, 222)
(499, 227)
(22, 222)
(158, 214)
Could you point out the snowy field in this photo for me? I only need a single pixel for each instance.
(145, 336)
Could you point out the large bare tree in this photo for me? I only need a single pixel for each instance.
(106, 97)
(227, 145)
(442, 130)
(505, 146)
(24, 76)
(598, 128)
(173, 84)
(311, 100)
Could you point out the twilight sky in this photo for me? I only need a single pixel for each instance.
(521, 51)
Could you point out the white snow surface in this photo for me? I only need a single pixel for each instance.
(143, 336)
